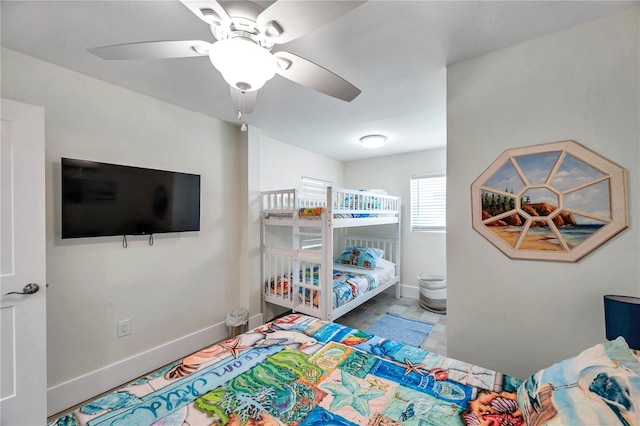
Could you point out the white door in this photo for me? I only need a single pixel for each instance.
(23, 354)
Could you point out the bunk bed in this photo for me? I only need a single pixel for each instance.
(298, 268)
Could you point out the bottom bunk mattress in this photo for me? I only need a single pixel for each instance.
(348, 282)
(299, 370)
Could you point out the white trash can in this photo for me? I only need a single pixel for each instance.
(237, 322)
(433, 293)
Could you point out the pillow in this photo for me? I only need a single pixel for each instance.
(360, 257)
(375, 252)
(384, 263)
(601, 386)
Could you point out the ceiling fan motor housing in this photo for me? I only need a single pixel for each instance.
(242, 22)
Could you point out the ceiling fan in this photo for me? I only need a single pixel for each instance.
(245, 33)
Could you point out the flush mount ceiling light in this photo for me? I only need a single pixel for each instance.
(242, 63)
(373, 141)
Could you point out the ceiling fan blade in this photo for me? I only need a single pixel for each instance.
(243, 101)
(153, 50)
(308, 74)
(209, 11)
(296, 18)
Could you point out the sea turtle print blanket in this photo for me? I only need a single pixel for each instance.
(299, 370)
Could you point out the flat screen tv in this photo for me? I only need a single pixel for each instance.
(100, 199)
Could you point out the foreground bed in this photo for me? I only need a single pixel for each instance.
(299, 370)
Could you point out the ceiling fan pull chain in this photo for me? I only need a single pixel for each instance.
(243, 93)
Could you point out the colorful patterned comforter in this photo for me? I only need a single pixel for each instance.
(346, 286)
(349, 285)
(299, 370)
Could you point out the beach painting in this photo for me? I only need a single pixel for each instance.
(552, 201)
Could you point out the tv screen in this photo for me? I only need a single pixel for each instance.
(100, 199)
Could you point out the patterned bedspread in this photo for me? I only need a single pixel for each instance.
(299, 370)
(347, 285)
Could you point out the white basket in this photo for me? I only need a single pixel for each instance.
(433, 293)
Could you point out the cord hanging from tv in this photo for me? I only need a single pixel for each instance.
(101, 199)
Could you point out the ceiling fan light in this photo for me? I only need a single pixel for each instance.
(373, 141)
(242, 63)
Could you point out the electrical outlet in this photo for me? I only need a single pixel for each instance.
(124, 327)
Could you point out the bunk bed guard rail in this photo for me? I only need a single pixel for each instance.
(342, 202)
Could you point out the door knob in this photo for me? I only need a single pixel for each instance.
(28, 289)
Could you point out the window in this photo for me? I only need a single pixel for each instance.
(429, 203)
(314, 190)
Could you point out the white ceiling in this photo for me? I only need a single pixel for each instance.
(396, 52)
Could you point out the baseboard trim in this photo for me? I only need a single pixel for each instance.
(77, 390)
(256, 321)
(408, 291)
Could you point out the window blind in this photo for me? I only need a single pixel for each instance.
(428, 203)
(312, 189)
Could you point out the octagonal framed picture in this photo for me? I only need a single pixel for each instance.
(557, 201)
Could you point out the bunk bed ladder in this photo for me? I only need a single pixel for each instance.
(309, 242)
(298, 292)
(276, 263)
(327, 257)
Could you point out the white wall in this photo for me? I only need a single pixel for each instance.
(183, 284)
(283, 165)
(422, 252)
(518, 316)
